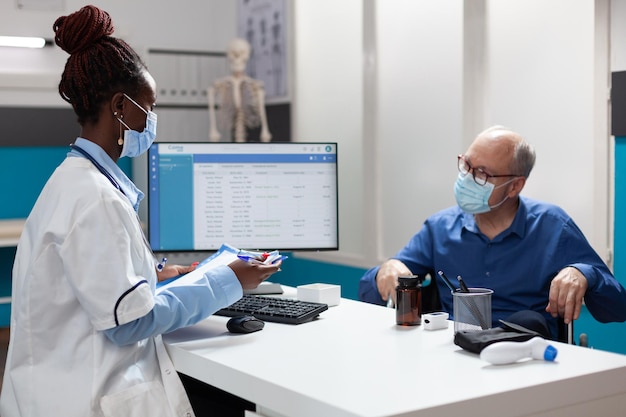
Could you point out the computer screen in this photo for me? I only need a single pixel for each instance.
(250, 195)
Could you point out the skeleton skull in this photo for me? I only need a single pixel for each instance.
(238, 55)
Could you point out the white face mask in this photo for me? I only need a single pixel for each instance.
(474, 198)
(136, 143)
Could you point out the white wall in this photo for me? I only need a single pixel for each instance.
(420, 112)
(618, 35)
(328, 99)
(542, 68)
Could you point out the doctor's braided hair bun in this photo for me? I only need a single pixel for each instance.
(99, 65)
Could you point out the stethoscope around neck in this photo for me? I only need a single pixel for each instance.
(97, 165)
(110, 178)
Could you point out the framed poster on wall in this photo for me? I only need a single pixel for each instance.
(263, 24)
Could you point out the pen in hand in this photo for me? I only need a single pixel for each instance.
(266, 258)
(161, 264)
(250, 259)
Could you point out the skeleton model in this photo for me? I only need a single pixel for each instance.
(242, 99)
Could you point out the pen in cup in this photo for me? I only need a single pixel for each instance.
(470, 303)
(473, 309)
(462, 284)
(447, 281)
(161, 264)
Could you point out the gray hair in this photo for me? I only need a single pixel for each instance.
(523, 158)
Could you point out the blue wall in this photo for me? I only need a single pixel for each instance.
(23, 173)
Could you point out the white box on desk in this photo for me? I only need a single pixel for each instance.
(320, 293)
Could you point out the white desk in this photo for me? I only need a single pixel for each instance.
(354, 361)
(10, 231)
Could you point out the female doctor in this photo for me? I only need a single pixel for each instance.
(85, 320)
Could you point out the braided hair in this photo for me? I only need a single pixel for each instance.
(99, 65)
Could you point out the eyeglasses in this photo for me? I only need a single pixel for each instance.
(480, 176)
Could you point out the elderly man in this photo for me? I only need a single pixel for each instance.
(530, 253)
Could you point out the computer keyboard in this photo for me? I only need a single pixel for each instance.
(279, 310)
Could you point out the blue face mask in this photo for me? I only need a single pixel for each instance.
(136, 143)
(473, 198)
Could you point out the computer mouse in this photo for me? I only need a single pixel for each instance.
(244, 324)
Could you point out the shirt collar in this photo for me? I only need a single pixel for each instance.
(519, 222)
(518, 226)
(134, 194)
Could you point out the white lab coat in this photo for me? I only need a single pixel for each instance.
(81, 265)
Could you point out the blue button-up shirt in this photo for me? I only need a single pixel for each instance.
(518, 264)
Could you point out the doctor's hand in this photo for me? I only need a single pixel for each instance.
(566, 294)
(171, 271)
(251, 274)
(387, 278)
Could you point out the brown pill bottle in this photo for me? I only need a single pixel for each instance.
(409, 301)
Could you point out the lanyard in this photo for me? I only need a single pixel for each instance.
(97, 165)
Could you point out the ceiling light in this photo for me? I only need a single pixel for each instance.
(24, 41)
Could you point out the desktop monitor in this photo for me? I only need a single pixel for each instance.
(250, 195)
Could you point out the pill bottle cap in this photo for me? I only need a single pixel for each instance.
(408, 281)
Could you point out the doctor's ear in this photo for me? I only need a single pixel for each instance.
(117, 102)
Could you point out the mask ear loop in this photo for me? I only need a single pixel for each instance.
(120, 139)
(505, 197)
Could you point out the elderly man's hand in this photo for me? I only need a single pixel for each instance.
(566, 294)
(387, 278)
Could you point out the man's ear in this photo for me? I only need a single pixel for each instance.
(518, 185)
